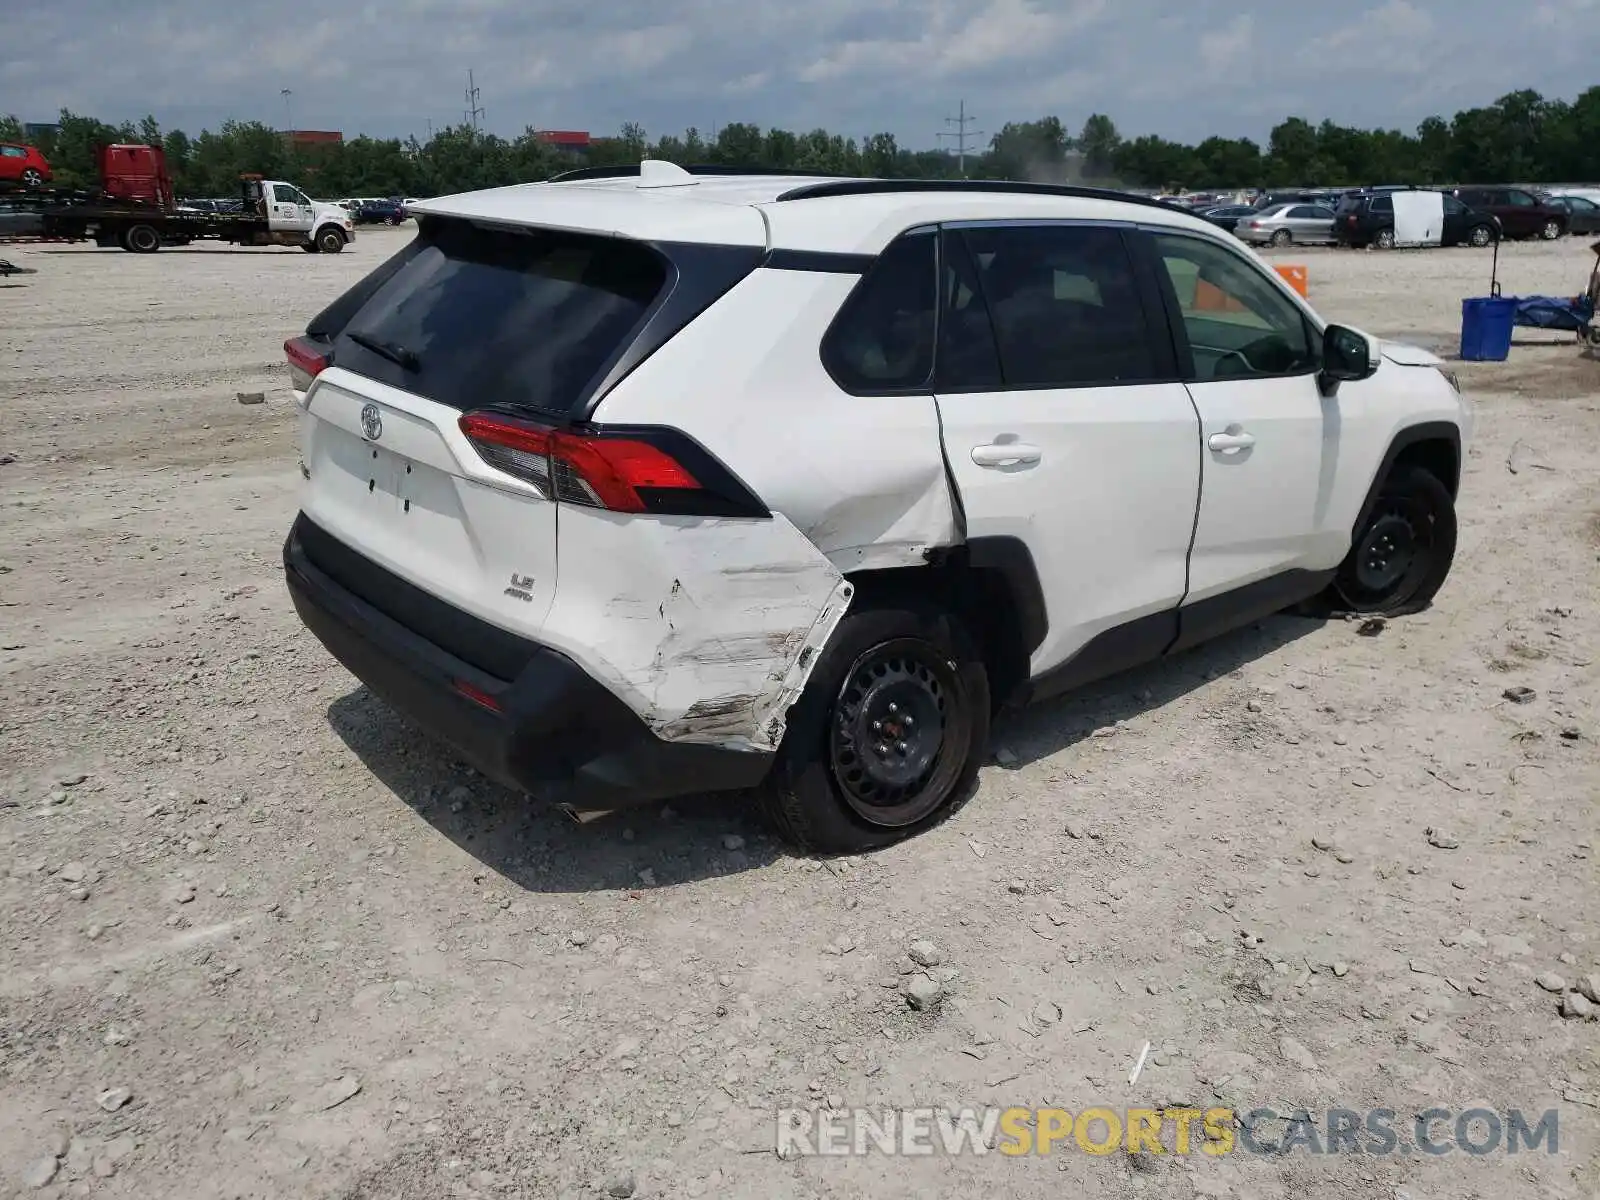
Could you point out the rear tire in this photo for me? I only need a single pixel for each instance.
(31, 178)
(1551, 230)
(1401, 555)
(910, 675)
(1384, 240)
(1480, 236)
(330, 241)
(1282, 237)
(142, 239)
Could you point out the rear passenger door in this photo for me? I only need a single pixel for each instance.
(1065, 427)
(1311, 223)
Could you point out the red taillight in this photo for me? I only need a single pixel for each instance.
(307, 360)
(600, 470)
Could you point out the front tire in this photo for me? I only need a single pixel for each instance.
(888, 736)
(329, 241)
(1550, 231)
(1480, 236)
(1282, 237)
(1402, 553)
(31, 178)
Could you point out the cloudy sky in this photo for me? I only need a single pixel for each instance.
(1186, 70)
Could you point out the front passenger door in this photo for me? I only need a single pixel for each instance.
(1270, 439)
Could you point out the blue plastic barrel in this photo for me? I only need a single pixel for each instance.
(1486, 328)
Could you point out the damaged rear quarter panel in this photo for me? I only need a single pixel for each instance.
(707, 627)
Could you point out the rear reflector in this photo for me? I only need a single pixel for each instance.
(624, 471)
(307, 360)
(477, 695)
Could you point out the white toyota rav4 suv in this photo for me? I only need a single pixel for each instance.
(639, 483)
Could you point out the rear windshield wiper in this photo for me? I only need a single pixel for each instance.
(393, 351)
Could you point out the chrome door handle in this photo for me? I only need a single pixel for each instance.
(1006, 454)
(1225, 442)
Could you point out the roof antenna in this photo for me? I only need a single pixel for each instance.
(659, 173)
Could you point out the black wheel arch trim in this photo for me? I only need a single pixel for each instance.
(1010, 558)
(1411, 435)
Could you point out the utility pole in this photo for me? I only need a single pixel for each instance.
(961, 135)
(288, 116)
(474, 109)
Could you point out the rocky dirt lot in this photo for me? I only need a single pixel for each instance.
(260, 939)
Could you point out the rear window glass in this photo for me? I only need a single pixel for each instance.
(475, 316)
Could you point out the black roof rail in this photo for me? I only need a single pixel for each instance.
(709, 169)
(872, 187)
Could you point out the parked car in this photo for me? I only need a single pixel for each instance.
(1521, 213)
(1583, 215)
(1228, 215)
(380, 212)
(1367, 219)
(663, 547)
(23, 165)
(1286, 223)
(17, 220)
(1294, 196)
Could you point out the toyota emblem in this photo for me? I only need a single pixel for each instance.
(371, 422)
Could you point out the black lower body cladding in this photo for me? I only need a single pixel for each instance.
(523, 714)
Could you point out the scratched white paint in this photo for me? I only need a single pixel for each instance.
(701, 625)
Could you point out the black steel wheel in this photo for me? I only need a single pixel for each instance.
(888, 751)
(330, 241)
(887, 737)
(1403, 551)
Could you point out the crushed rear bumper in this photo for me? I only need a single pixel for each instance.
(523, 714)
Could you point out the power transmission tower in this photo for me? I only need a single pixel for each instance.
(961, 135)
(474, 110)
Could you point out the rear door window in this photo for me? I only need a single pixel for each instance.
(1383, 205)
(475, 316)
(1065, 305)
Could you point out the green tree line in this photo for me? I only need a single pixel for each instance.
(1521, 137)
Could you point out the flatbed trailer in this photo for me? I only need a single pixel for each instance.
(134, 209)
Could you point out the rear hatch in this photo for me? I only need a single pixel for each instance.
(468, 317)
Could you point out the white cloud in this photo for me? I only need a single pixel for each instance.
(1229, 67)
(998, 33)
(1225, 48)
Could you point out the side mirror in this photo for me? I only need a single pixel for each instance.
(1347, 357)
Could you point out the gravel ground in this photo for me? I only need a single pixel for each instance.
(261, 940)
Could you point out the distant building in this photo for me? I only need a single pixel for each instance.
(576, 140)
(314, 137)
